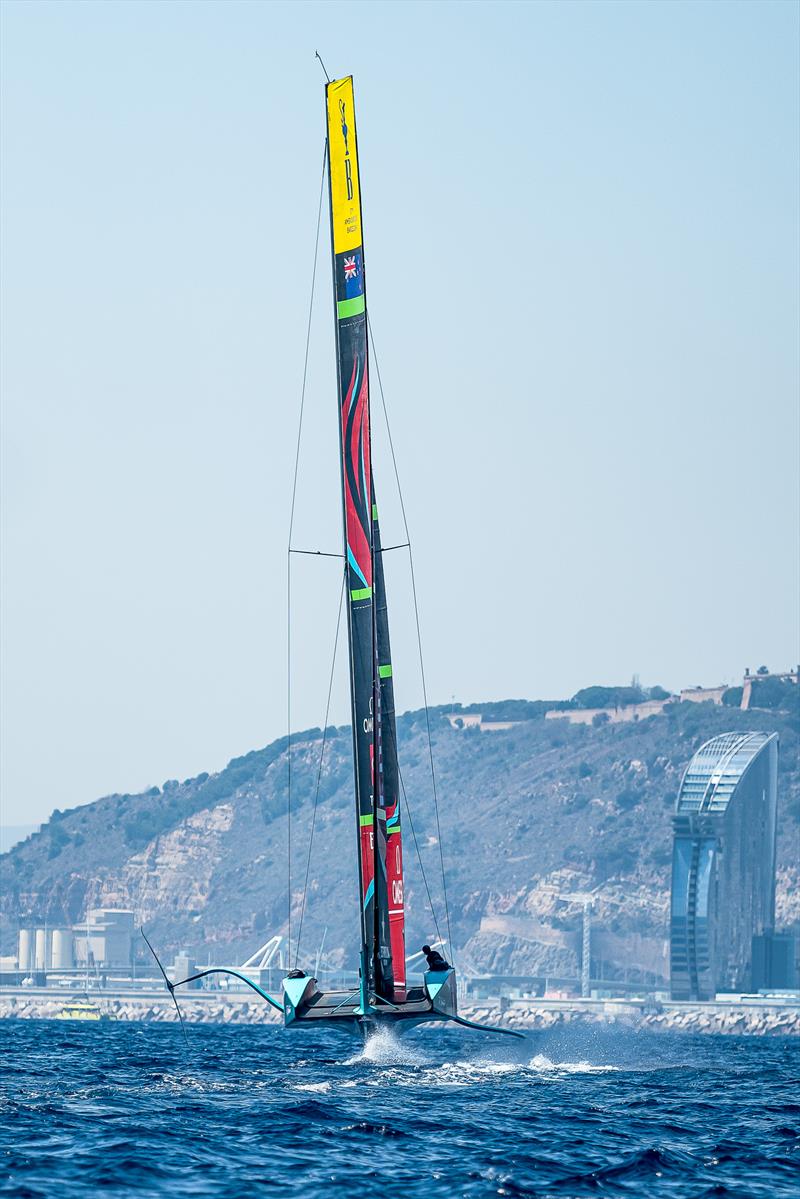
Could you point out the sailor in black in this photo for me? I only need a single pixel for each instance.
(435, 959)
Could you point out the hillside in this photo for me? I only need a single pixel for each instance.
(540, 809)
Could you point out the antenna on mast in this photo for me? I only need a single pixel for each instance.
(322, 64)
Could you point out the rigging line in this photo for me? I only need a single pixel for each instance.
(393, 735)
(419, 855)
(388, 430)
(419, 633)
(385, 549)
(319, 773)
(320, 553)
(430, 755)
(308, 340)
(289, 567)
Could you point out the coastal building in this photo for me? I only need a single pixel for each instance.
(106, 939)
(775, 962)
(744, 697)
(761, 676)
(44, 948)
(723, 864)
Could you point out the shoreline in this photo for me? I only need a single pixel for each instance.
(747, 1018)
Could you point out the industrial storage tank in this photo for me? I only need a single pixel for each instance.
(40, 950)
(25, 949)
(61, 949)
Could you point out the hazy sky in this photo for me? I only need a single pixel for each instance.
(581, 223)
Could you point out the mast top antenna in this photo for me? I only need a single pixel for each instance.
(322, 64)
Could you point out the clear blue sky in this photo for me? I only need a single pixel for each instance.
(582, 236)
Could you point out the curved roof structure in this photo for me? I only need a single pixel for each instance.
(716, 770)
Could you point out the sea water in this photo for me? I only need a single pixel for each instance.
(127, 1109)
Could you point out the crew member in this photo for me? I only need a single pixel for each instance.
(435, 959)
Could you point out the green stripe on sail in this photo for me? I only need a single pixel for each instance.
(374, 511)
(394, 829)
(385, 671)
(350, 307)
(365, 821)
(361, 593)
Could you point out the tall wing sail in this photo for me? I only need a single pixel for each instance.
(358, 500)
(390, 778)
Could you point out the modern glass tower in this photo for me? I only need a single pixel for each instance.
(723, 864)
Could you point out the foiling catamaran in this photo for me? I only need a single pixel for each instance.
(383, 996)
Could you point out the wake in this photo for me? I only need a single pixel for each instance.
(385, 1048)
(408, 1063)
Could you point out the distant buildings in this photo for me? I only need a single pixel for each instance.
(104, 939)
(474, 720)
(723, 865)
(624, 714)
(44, 948)
(761, 676)
(743, 697)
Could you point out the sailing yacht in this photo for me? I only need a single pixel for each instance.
(383, 995)
(383, 987)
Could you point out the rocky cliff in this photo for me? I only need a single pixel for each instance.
(531, 816)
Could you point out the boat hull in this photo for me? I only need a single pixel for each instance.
(304, 1005)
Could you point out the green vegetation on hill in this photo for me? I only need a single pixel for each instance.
(615, 697)
(775, 694)
(204, 861)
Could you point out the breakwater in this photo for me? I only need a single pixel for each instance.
(746, 1018)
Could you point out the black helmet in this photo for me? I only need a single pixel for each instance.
(426, 948)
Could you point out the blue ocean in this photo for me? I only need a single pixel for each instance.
(128, 1109)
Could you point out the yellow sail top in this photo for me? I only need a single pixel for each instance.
(345, 194)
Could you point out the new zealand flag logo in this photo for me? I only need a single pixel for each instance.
(349, 275)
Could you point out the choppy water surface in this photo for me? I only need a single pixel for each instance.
(249, 1111)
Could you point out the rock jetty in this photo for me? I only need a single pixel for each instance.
(738, 1019)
